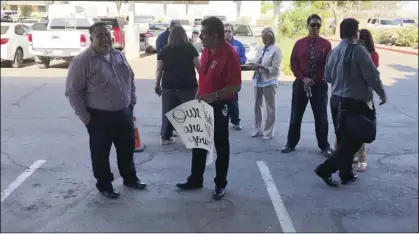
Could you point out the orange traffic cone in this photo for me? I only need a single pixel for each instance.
(138, 146)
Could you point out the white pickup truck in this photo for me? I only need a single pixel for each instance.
(64, 39)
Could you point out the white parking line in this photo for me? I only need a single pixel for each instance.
(19, 180)
(280, 209)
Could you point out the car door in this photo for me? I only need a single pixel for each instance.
(21, 40)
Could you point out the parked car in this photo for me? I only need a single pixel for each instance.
(382, 23)
(41, 26)
(186, 24)
(117, 26)
(14, 44)
(221, 17)
(6, 18)
(148, 42)
(29, 21)
(64, 39)
(14, 15)
(197, 25)
(406, 22)
(244, 34)
(143, 22)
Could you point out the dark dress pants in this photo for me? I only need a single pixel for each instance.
(222, 146)
(105, 128)
(172, 98)
(233, 110)
(318, 103)
(342, 158)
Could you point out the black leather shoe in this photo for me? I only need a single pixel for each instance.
(189, 185)
(136, 185)
(287, 149)
(327, 152)
(327, 179)
(351, 180)
(218, 193)
(110, 193)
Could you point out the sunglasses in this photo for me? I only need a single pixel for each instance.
(314, 25)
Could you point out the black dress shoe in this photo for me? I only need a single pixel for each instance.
(218, 193)
(327, 179)
(189, 185)
(348, 181)
(110, 192)
(327, 152)
(287, 149)
(136, 185)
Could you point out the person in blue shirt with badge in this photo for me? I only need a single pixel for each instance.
(233, 108)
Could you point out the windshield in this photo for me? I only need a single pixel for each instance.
(222, 18)
(242, 30)
(160, 26)
(184, 22)
(142, 19)
(39, 27)
(29, 20)
(110, 22)
(4, 29)
(388, 22)
(408, 21)
(63, 23)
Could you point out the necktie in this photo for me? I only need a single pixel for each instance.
(312, 59)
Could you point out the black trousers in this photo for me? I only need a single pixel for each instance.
(172, 98)
(105, 128)
(342, 158)
(222, 146)
(233, 110)
(318, 103)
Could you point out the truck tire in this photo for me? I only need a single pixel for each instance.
(18, 60)
(44, 63)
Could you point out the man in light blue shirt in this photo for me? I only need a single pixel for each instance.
(233, 108)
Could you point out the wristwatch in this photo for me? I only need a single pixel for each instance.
(217, 95)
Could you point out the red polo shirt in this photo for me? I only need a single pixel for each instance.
(219, 69)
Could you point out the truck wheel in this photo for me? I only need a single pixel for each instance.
(18, 61)
(44, 63)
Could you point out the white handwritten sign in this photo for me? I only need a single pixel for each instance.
(194, 122)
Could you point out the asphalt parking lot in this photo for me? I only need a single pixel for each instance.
(267, 192)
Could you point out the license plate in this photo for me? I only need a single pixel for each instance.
(58, 52)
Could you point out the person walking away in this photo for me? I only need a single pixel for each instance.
(100, 88)
(365, 39)
(353, 76)
(265, 82)
(175, 76)
(161, 42)
(233, 107)
(219, 81)
(307, 63)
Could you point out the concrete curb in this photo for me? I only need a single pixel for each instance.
(386, 48)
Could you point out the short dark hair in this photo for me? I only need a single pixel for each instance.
(365, 35)
(349, 28)
(215, 26)
(313, 16)
(229, 25)
(97, 25)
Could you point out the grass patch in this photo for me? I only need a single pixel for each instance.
(286, 45)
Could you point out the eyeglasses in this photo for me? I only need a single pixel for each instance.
(314, 25)
(227, 31)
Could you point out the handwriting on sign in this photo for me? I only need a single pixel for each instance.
(181, 116)
(197, 140)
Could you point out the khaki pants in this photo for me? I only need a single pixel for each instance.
(268, 93)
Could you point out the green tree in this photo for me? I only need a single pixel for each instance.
(26, 10)
(265, 6)
(3, 5)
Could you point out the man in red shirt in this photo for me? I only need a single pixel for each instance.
(308, 60)
(219, 81)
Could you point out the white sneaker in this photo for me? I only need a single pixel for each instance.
(167, 142)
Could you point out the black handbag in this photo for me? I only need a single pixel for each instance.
(356, 117)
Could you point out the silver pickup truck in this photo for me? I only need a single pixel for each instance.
(64, 39)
